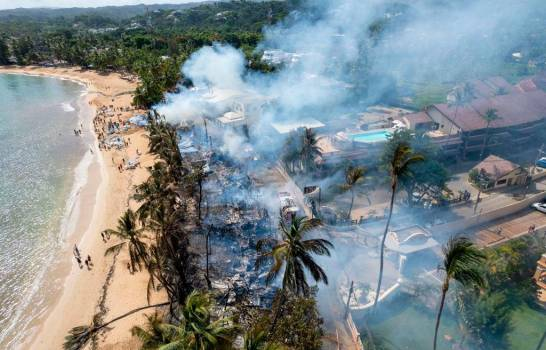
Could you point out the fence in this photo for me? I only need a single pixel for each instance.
(355, 335)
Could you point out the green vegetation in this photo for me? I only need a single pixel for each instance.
(169, 205)
(301, 151)
(398, 157)
(299, 326)
(294, 254)
(462, 262)
(354, 176)
(151, 45)
(132, 237)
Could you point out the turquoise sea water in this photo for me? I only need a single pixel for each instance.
(38, 154)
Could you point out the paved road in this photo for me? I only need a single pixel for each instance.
(502, 230)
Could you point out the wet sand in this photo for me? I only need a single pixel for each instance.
(106, 289)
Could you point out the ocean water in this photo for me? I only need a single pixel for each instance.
(38, 156)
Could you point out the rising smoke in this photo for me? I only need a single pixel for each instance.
(358, 51)
(351, 54)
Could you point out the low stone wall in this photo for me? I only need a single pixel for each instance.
(463, 224)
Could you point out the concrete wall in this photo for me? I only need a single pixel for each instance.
(463, 224)
(517, 177)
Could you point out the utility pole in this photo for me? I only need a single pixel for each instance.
(482, 183)
(349, 299)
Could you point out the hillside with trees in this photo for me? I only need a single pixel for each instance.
(152, 43)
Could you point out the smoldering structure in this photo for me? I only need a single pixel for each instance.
(341, 68)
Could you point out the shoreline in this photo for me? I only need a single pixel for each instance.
(94, 204)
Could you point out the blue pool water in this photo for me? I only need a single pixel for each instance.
(373, 136)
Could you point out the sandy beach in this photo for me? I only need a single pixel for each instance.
(106, 289)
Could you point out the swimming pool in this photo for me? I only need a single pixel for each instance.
(372, 136)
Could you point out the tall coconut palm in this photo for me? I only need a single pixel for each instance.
(197, 330)
(462, 263)
(398, 164)
(79, 336)
(291, 152)
(310, 149)
(457, 102)
(354, 176)
(197, 177)
(132, 236)
(489, 117)
(154, 334)
(294, 254)
(157, 194)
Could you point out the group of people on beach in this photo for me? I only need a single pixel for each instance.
(78, 257)
(78, 132)
(105, 124)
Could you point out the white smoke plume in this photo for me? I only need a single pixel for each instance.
(342, 66)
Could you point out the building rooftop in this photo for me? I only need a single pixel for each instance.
(231, 118)
(496, 167)
(512, 109)
(284, 127)
(416, 118)
(410, 240)
(526, 85)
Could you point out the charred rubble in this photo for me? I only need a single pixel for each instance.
(233, 221)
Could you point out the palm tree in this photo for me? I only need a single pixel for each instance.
(197, 330)
(354, 176)
(291, 152)
(197, 177)
(132, 236)
(294, 253)
(458, 101)
(489, 116)
(398, 164)
(462, 262)
(309, 149)
(157, 194)
(155, 334)
(468, 92)
(257, 340)
(79, 336)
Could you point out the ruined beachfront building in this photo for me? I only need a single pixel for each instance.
(462, 130)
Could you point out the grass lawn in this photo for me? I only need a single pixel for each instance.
(529, 329)
(413, 328)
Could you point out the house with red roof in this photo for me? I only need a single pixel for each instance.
(521, 116)
(498, 172)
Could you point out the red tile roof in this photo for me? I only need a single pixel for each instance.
(500, 83)
(496, 167)
(513, 109)
(481, 89)
(540, 80)
(526, 85)
(418, 118)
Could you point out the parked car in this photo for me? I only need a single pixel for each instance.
(540, 207)
(541, 162)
